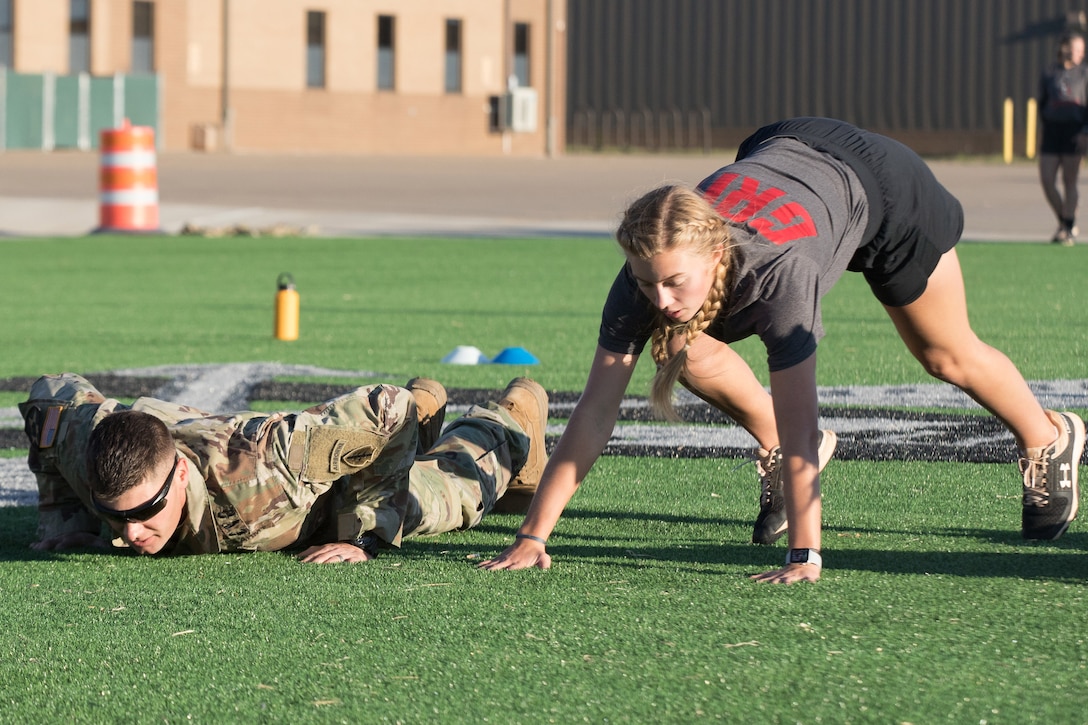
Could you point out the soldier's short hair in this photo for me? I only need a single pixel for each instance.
(124, 449)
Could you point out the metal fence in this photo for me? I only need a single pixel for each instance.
(48, 111)
(644, 129)
(933, 73)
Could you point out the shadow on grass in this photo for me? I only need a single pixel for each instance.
(1065, 560)
(17, 527)
(709, 559)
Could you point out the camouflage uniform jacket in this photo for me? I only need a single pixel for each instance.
(260, 481)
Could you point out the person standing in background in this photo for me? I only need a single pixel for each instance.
(1063, 118)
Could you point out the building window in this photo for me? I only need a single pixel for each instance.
(143, 37)
(521, 53)
(453, 56)
(315, 49)
(386, 53)
(79, 34)
(6, 25)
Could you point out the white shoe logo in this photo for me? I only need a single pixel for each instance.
(1065, 481)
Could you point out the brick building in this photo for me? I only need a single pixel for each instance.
(345, 76)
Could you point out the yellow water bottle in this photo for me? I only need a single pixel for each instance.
(286, 308)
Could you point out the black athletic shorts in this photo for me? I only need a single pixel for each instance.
(913, 219)
(1060, 137)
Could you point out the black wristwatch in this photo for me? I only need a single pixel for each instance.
(805, 556)
(369, 542)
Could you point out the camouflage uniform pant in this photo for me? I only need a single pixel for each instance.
(459, 480)
(449, 487)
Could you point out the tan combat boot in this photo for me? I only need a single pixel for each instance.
(528, 406)
(430, 399)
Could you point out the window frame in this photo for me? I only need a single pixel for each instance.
(522, 54)
(138, 35)
(79, 27)
(7, 33)
(386, 42)
(316, 50)
(454, 59)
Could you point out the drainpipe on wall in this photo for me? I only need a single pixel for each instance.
(549, 79)
(507, 70)
(226, 118)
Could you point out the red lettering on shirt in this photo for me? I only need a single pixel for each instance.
(744, 202)
(748, 201)
(787, 223)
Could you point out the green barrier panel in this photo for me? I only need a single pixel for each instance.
(73, 116)
(23, 111)
(101, 107)
(142, 100)
(66, 113)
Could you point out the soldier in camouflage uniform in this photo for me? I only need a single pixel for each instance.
(340, 478)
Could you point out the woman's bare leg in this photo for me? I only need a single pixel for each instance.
(935, 328)
(721, 377)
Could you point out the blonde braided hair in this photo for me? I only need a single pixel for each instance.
(666, 219)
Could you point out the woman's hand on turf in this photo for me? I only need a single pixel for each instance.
(522, 554)
(789, 574)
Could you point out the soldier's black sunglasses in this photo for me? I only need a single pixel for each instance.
(144, 511)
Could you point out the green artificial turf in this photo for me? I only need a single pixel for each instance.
(931, 607)
(924, 614)
(388, 306)
(398, 306)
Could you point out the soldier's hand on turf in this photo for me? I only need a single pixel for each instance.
(789, 574)
(72, 540)
(521, 554)
(340, 552)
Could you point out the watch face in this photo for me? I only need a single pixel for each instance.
(798, 556)
(368, 542)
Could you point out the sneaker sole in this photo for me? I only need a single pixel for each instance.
(1076, 440)
(828, 443)
(1076, 435)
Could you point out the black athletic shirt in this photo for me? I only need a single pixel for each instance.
(797, 217)
(809, 198)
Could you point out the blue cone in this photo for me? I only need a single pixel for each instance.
(515, 356)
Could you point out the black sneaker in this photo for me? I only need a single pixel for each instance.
(1051, 496)
(1066, 234)
(771, 522)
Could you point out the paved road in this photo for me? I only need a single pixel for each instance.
(56, 194)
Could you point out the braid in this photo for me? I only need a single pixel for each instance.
(713, 304)
(707, 225)
(659, 343)
(668, 218)
(669, 369)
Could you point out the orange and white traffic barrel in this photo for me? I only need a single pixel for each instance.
(128, 180)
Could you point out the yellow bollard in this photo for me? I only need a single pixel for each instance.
(1033, 117)
(1007, 127)
(286, 308)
